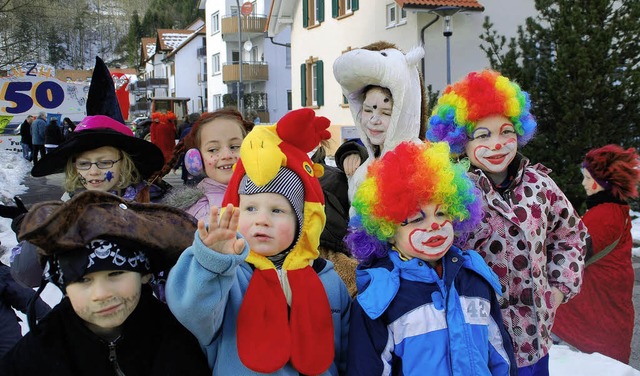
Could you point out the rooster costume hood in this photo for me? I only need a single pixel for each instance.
(269, 333)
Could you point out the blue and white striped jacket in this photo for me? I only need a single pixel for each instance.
(407, 320)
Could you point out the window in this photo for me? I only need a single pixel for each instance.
(215, 23)
(289, 101)
(312, 83)
(341, 8)
(391, 15)
(312, 12)
(217, 102)
(396, 15)
(215, 63)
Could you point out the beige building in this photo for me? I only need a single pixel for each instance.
(321, 30)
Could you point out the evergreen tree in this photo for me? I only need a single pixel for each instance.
(580, 63)
(57, 51)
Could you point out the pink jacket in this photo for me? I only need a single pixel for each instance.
(533, 239)
(213, 194)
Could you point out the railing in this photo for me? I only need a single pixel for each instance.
(250, 24)
(251, 71)
(142, 106)
(157, 82)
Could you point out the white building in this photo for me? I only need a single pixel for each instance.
(173, 65)
(321, 30)
(266, 70)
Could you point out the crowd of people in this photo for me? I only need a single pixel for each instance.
(456, 254)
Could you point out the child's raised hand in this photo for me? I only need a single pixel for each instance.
(220, 235)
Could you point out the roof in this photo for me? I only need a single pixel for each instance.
(148, 48)
(168, 39)
(199, 32)
(470, 5)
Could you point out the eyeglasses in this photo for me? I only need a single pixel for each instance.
(103, 165)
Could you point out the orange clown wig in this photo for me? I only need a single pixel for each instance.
(478, 95)
(398, 184)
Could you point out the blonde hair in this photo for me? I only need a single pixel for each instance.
(129, 174)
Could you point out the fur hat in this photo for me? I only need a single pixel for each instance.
(300, 332)
(160, 231)
(616, 170)
(103, 127)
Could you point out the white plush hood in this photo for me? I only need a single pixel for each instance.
(388, 68)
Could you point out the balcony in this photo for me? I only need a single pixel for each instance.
(140, 108)
(251, 71)
(138, 87)
(251, 26)
(202, 52)
(202, 78)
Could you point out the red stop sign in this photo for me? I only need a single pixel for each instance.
(246, 8)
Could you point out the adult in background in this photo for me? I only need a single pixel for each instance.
(37, 136)
(25, 137)
(68, 126)
(52, 136)
(14, 296)
(600, 318)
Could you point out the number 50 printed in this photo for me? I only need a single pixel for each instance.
(25, 94)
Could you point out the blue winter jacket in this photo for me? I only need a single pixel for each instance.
(37, 131)
(406, 320)
(205, 289)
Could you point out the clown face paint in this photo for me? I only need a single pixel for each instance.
(220, 141)
(426, 235)
(376, 115)
(96, 179)
(493, 146)
(589, 184)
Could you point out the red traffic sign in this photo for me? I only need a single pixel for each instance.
(246, 8)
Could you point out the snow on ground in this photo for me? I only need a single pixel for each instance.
(563, 361)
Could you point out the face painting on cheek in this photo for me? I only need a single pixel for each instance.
(108, 176)
(431, 243)
(498, 157)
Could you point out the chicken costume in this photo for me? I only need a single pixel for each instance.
(287, 320)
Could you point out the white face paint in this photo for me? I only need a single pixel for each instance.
(426, 235)
(376, 115)
(493, 146)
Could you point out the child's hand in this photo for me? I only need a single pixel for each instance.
(351, 164)
(221, 235)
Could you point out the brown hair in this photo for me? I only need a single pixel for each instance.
(192, 139)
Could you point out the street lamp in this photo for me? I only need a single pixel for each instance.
(239, 56)
(446, 13)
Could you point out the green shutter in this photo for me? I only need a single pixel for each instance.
(303, 85)
(305, 13)
(320, 82)
(354, 5)
(335, 8)
(320, 10)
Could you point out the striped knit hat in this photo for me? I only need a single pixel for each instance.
(286, 183)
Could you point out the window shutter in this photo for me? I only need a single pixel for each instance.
(303, 85)
(354, 5)
(320, 83)
(320, 10)
(335, 8)
(305, 13)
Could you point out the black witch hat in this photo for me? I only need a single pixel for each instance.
(103, 126)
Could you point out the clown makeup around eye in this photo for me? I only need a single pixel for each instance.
(426, 235)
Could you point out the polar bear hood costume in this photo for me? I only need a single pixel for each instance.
(383, 64)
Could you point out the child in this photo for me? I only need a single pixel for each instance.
(424, 306)
(530, 235)
(101, 251)
(262, 301)
(600, 318)
(387, 102)
(212, 147)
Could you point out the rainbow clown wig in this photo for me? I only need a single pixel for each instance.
(478, 95)
(398, 184)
